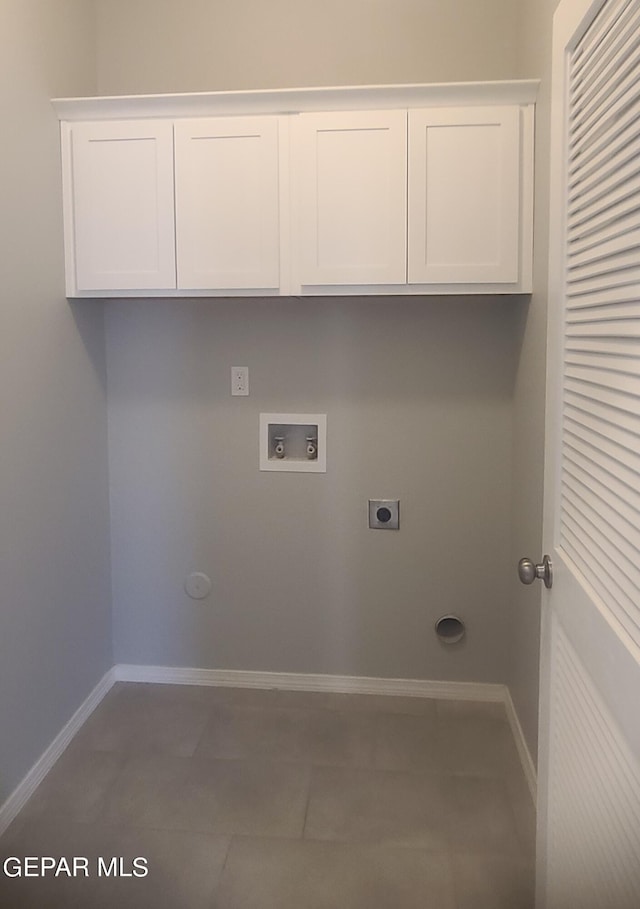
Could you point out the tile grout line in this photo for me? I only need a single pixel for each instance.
(228, 870)
(306, 809)
(216, 889)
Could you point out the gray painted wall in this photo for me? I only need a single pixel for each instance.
(55, 637)
(206, 45)
(418, 395)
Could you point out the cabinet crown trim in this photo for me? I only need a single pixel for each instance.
(297, 100)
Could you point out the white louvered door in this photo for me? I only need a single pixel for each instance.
(589, 768)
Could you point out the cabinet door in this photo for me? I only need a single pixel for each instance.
(227, 203)
(122, 205)
(352, 197)
(464, 195)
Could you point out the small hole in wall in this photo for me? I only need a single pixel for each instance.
(450, 629)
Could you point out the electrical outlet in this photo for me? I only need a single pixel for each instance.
(384, 514)
(239, 380)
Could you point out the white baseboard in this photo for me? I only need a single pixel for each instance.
(23, 792)
(528, 765)
(293, 681)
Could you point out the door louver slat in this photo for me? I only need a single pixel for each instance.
(617, 177)
(622, 39)
(612, 138)
(616, 78)
(600, 483)
(596, 37)
(606, 164)
(593, 517)
(584, 211)
(598, 573)
(590, 480)
(607, 249)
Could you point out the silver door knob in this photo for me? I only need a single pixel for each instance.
(528, 571)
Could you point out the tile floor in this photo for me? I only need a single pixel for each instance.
(245, 799)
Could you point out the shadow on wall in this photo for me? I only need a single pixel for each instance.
(88, 316)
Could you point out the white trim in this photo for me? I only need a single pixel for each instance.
(23, 792)
(320, 290)
(528, 765)
(67, 211)
(293, 681)
(295, 100)
(527, 194)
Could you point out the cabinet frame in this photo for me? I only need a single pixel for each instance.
(491, 258)
(262, 208)
(76, 139)
(312, 131)
(287, 104)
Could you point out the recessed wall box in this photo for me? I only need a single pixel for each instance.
(293, 442)
(384, 514)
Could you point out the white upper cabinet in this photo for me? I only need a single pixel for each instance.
(366, 190)
(119, 206)
(464, 195)
(352, 197)
(227, 203)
